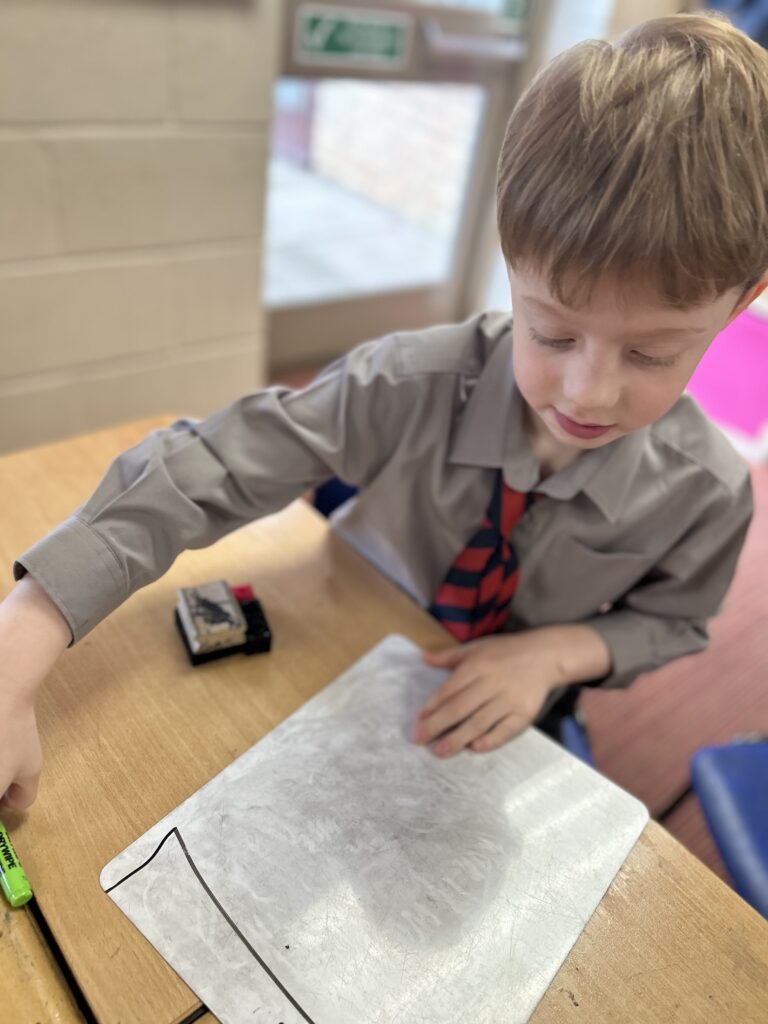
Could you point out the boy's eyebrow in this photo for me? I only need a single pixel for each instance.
(544, 305)
(641, 334)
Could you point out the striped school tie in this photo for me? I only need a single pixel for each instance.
(474, 598)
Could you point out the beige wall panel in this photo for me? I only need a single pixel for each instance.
(64, 60)
(60, 319)
(628, 13)
(225, 58)
(27, 200)
(133, 156)
(89, 401)
(218, 297)
(118, 192)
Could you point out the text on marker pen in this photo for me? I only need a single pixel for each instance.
(13, 881)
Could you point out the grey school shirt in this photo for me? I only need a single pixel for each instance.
(639, 538)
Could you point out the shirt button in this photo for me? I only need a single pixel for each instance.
(606, 606)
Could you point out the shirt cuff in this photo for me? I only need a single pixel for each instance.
(630, 646)
(79, 572)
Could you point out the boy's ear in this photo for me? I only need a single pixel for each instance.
(749, 296)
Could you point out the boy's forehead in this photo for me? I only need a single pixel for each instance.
(611, 297)
(601, 295)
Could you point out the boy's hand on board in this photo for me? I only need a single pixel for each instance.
(33, 633)
(495, 690)
(498, 684)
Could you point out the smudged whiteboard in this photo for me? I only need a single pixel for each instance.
(337, 874)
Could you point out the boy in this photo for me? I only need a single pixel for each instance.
(542, 477)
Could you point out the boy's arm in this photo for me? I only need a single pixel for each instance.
(184, 486)
(190, 484)
(665, 616)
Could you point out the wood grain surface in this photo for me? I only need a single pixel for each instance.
(32, 988)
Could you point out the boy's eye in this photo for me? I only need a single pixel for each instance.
(654, 360)
(550, 342)
(638, 357)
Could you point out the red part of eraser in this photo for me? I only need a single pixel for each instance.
(243, 593)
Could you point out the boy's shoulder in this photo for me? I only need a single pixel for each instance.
(455, 349)
(687, 431)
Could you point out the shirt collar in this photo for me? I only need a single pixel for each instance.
(604, 474)
(480, 439)
(491, 435)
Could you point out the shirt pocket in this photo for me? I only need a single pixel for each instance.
(570, 581)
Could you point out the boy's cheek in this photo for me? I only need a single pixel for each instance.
(646, 404)
(536, 382)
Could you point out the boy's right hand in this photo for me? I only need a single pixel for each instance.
(33, 633)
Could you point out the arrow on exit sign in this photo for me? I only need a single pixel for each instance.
(342, 37)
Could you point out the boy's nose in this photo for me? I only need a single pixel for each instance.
(592, 392)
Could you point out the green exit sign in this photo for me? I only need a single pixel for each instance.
(343, 37)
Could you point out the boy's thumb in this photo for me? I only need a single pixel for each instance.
(20, 795)
(446, 657)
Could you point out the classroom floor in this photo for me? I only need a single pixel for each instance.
(643, 738)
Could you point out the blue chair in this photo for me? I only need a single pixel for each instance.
(574, 737)
(731, 783)
(569, 729)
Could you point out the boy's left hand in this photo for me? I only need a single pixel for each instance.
(497, 687)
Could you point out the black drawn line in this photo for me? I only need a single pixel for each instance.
(159, 848)
(222, 911)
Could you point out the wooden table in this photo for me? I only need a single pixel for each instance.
(130, 730)
(32, 986)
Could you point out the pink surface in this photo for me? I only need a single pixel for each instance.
(731, 382)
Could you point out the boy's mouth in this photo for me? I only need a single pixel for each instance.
(586, 430)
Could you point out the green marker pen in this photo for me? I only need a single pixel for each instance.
(13, 881)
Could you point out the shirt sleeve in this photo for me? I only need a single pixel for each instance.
(665, 616)
(187, 485)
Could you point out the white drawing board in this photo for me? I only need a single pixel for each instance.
(337, 874)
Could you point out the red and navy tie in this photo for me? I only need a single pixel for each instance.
(474, 599)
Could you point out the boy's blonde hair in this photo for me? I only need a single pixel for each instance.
(645, 157)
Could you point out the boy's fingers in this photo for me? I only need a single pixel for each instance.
(463, 677)
(501, 733)
(475, 726)
(453, 710)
